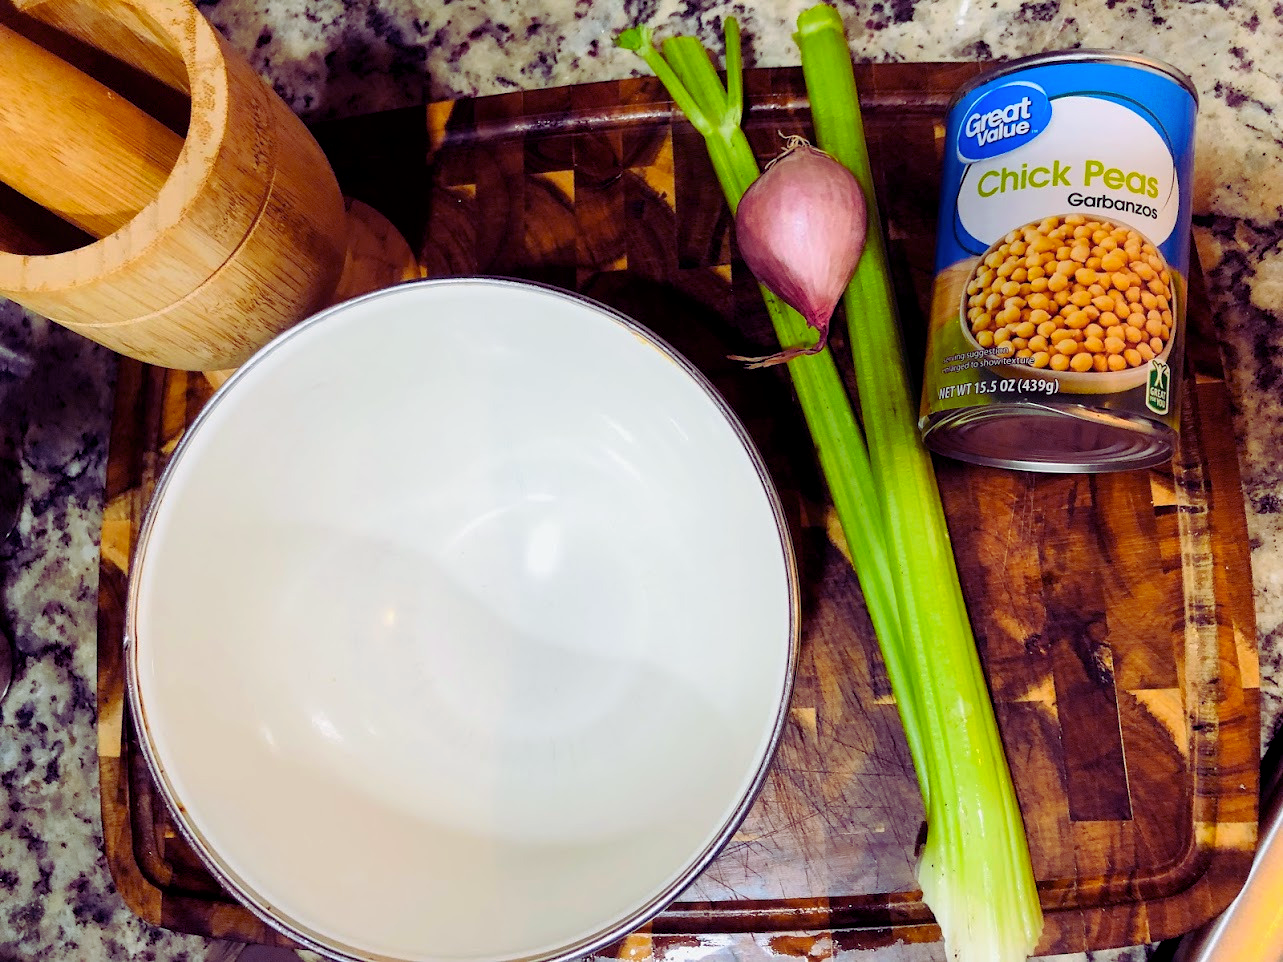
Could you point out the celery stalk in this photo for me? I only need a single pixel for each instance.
(975, 870)
(691, 80)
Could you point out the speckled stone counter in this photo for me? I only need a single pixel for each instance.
(331, 58)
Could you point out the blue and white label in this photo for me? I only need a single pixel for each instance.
(1110, 140)
(1002, 120)
(1128, 177)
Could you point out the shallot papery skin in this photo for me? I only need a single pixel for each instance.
(800, 229)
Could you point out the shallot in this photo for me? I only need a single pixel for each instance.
(800, 229)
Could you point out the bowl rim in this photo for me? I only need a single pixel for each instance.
(206, 852)
(1070, 379)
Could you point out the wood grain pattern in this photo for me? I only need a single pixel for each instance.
(1111, 612)
(121, 156)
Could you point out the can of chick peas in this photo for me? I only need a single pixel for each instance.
(1058, 310)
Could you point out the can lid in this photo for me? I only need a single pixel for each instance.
(1062, 440)
(1083, 55)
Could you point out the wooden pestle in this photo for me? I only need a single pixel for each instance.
(110, 158)
(209, 246)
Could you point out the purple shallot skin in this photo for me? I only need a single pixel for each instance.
(800, 229)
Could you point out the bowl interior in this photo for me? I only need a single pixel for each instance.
(463, 624)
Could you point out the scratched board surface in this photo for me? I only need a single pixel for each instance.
(1113, 612)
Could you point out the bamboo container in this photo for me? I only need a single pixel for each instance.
(207, 246)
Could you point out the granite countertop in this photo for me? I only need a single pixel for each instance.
(331, 58)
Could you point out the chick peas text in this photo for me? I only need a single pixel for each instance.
(1073, 294)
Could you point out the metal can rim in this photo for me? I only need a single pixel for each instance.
(1080, 55)
(941, 433)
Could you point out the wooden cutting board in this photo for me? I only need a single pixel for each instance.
(1114, 612)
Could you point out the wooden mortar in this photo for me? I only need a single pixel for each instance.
(207, 246)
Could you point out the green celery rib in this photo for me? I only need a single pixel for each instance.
(692, 81)
(975, 872)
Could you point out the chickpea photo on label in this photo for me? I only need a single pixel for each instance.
(1072, 294)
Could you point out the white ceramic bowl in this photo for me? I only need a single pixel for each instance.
(462, 626)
